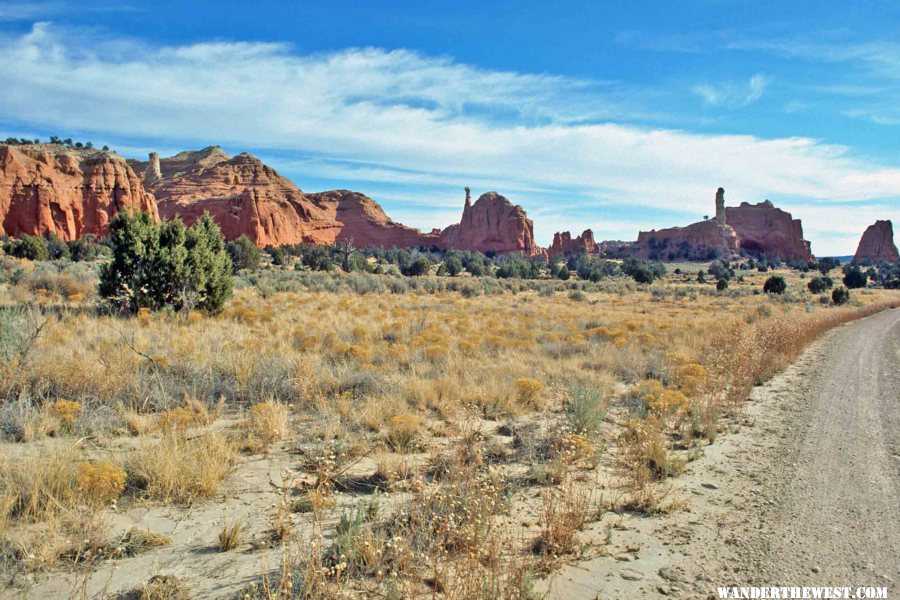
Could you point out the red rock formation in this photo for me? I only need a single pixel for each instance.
(563, 244)
(877, 244)
(764, 229)
(49, 188)
(755, 228)
(365, 222)
(246, 197)
(492, 224)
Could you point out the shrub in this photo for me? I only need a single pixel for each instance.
(85, 248)
(563, 273)
(775, 285)
(722, 285)
(167, 265)
(453, 266)
(30, 247)
(66, 411)
(817, 285)
(56, 248)
(585, 410)
(268, 420)
(527, 390)
(244, 254)
(855, 278)
(403, 432)
(840, 296)
(643, 274)
(100, 482)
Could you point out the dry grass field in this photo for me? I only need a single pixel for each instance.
(332, 443)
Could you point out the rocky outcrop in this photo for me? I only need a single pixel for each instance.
(69, 192)
(492, 224)
(764, 229)
(877, 244)
(564, 244)
(247, 197)
(754, 228)
(362, 220)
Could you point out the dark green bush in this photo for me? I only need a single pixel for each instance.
(855, 278)
(722, 285)
(840, 295)
(31, 247)
(244, 254)
(167, 265)
(85, 248)
(775, 285)
(56, 248)
(817, 285)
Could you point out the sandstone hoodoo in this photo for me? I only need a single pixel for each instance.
(564, 244)
(68, 192)
(877, 244)
(491, 224)
(753, 228)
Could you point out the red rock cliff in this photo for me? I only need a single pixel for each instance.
(756, 228)
(50, 188)
(564, 243)
(492, 224)
(247, 197)
(877, 244)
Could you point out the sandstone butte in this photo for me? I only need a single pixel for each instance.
(877, 244)
(70, 192)
(756, 228)
(492, 224)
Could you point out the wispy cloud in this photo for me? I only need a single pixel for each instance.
(731, 94)
(426, 125)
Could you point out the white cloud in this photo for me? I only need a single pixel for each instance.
(731, 94)
(423, 121)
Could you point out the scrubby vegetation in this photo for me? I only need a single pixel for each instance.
(361, 431)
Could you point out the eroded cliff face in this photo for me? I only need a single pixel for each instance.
(247, 197)
(564, 244)
(877, 244)
(69, 192)
(492, 224)
(755, 228)
(764, 229)
(365, 222)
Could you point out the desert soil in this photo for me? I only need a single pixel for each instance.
(803, 490)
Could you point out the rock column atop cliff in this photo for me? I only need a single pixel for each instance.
(492, 224)
(755, 228)
(69, 192)
(877, 244)
(564, 244)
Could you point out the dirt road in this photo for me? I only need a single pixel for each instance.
(804, 491)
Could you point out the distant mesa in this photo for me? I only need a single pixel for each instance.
(754, 228)
(877, 244)
(65, 191)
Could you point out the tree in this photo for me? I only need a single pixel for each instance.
(168, 265)
(563, 273)
(826, 264)
(817, 285)
(775, 285)
(855, 278)
(840, 295)
(85, 248)
(244, 254)
(56, 248)
(420, 266)
(30, 247)
(453, 266)
(722, 285)
(642, 274)
(345, 249)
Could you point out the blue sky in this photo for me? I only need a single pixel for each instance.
(614, 116)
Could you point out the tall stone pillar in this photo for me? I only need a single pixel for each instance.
(720, 207)
(153, 172)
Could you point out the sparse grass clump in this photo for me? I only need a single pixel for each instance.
(181, 469)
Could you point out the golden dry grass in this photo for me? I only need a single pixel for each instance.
(420, 384)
